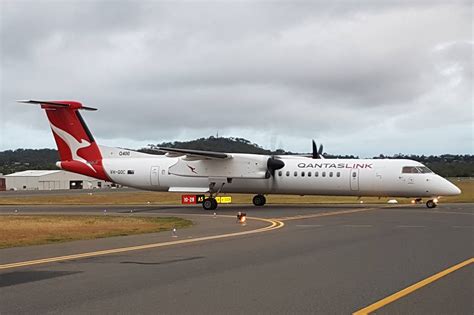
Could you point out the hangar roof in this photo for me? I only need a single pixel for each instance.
(34, 173)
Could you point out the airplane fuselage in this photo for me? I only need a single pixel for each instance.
(300, 175)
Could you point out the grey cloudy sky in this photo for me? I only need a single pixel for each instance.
(362, 77)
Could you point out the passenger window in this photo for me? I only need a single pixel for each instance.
(302, 174)
(330, 174)
(309, 174)
(338, 174)
(295, 173)
(324, 174)
(280, 173)
(354, 174)
(316, 174)
(287, 173)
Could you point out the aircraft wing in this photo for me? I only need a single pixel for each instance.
(210, 164)
(195, 154)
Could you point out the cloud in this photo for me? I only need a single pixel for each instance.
(340, 72)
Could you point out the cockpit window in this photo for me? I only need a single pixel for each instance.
(424, 169)
(415, 170)
(410, 170)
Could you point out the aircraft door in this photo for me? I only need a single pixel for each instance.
(355, 179)
(155, 176)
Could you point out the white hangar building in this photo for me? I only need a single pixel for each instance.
(51, 179)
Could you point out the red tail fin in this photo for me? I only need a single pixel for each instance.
(78, 150)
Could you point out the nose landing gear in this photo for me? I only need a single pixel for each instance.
(431, 203)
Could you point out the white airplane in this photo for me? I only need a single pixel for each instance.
(212, 173)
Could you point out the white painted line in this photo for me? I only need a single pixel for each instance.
(410, 226)
(358, 225)
(462, 226)
(309, 225)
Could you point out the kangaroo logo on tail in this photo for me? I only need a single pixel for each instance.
(73, 145)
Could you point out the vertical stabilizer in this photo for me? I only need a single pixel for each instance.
(77, 148)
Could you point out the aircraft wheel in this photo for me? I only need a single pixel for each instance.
(214, 204)
(259, 200)
(431, 204)
(209, 204)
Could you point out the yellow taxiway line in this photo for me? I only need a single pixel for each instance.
(389, 299)
(274, 224)
(324, 214)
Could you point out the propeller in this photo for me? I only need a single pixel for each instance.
(273, 164)
(317, 153)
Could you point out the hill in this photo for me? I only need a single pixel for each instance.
(230, 145)
(12, 161)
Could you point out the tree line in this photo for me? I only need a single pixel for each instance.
(447, 165)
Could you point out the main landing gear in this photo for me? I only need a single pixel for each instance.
(209, 203)
(259, 200)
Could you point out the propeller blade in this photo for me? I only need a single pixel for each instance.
(274, 164)
(317, 153)
(315, 150)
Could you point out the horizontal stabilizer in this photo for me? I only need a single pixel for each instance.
(59, 104)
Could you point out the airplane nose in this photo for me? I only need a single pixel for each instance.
(450, 189)
(457, 191)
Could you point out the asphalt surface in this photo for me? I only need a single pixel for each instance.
(315, 264)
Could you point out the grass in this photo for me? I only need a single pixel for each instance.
(467, 187)
(157, 198)
(24, 230)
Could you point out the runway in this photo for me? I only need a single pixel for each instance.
(326, 259)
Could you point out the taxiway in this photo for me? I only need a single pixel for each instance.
(325, 259)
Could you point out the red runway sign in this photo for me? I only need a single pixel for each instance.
(188, 199)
